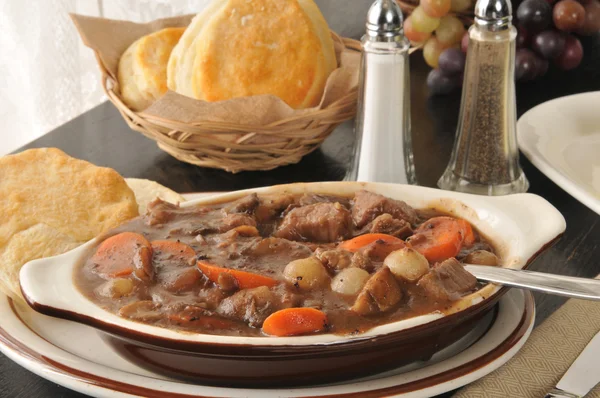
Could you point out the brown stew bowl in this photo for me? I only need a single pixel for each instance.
(520, 226)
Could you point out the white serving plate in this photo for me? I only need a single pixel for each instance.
(520, 226)
(562, 139)
(77, 357)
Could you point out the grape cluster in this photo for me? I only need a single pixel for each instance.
(547, 32)
(431, 27)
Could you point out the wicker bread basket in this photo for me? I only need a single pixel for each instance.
(236, 147)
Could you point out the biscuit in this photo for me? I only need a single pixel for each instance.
(238, 48)
(51, 203)
(142, 69)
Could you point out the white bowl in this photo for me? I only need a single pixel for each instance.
(520, 226)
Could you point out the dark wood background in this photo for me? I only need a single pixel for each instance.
(102, 137)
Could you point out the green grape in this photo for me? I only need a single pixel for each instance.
(450, 31)
(422, 22)
(460, 5)
(432, 50)
(413, 35)
(436, 8)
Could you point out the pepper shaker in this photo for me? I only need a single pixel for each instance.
(383, 148)
(485, 158)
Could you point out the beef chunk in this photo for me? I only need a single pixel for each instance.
(386, 224)
(321, 222)
(311, 199)
(232, 245)
(380, 249)
(221, 225)
(252, 306)
(334, 259)
(179, 280)
(231, 221)
(368, 205)
(271, 206)
(381, 293)
(291, 299)
(247, 205)
(447, 281)
(360, 260)
(160, 212)
(227, 282)
(210, 298)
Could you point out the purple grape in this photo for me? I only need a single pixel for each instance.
(522, 38)
(525, 65)
(591, 24)
(452, 61)
(549, 44)
(571, 56)
(534, 15)
(442, 83)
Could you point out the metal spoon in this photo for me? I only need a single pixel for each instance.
(569, 286)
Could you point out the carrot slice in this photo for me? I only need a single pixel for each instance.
(361, 241)
(245, 280)
(468, 234)
(120, 254)
(173, 251)
(295, 321)
(440, 238)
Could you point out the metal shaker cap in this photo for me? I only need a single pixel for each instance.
(385, 19)
(493, 15)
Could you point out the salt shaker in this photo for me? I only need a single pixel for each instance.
(383, 151)
(485, 158)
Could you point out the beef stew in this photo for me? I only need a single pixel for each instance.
(282, 265)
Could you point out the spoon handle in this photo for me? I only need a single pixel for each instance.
(561, 285)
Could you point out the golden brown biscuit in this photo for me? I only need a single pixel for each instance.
(143, 68)
(238, 48)
(51, 203)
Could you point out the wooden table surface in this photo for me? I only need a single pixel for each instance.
(102, 137)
